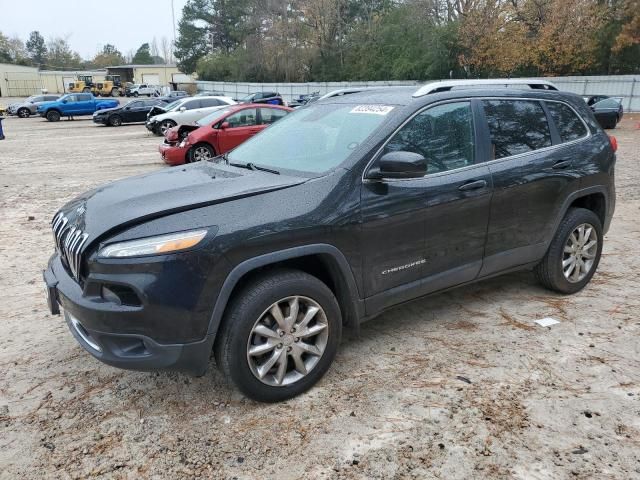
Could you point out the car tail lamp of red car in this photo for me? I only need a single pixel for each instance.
(614, 143)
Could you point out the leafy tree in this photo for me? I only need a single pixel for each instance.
(108, 57)
(61, 56)
(36, 48)
(143, 55)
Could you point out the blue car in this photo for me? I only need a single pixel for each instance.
(74, 104)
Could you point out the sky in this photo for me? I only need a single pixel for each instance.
(87, 27)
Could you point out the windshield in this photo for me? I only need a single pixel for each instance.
(213, 116)
(314, 139)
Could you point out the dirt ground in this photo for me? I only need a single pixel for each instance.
(461, 385)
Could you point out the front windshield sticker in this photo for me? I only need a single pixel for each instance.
(376, 109)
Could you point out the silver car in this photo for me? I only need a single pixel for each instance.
(27, 107)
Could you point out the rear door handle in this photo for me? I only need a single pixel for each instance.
(473, 185)
(561, 164)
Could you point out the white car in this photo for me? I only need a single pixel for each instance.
(185, 111)
(144, 89)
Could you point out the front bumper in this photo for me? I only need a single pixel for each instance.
(87, 316)
(151, 126)
(102, 120)
(172, 155)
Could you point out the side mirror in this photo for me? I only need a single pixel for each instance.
(127, 108)
(400, 165)
(224, 125)
(64, 101)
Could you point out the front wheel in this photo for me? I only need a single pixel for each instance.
(24, 113)
(279, 336)
(165, 125)
(53, 116)
(115, 120)
(136, 94)
(115, 92)
(574, 253)
(201, 152)
(86, 90)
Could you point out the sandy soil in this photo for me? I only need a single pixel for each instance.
(456, 386)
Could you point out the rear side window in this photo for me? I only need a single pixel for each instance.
(270, 115)
(211, 102)
(567, 121)
(516, 126)
(84, 97)
(442, 134)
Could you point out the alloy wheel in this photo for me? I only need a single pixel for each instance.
(579, 252)
(201, 154)
(287, 341)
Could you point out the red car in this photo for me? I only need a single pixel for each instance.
(218, 132)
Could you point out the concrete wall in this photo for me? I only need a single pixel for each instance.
(18, 81)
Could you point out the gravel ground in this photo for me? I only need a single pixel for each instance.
(456, 386)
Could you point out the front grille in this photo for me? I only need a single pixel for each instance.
(69, 242)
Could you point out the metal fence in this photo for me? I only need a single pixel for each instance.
(626, 87)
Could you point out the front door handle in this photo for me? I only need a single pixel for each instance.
(473, 185)
(561, 164)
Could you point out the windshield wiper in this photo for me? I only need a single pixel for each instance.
(253, 166)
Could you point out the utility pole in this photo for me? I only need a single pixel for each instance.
(173, 19)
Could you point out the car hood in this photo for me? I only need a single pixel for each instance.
(133, 200)
(107, 110)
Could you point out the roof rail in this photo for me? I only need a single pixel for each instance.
(446, 85)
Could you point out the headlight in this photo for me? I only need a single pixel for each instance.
(183, 143)
(161, 244)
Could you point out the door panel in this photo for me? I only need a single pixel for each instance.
(242, 125)
(529, 183)
(425, 234)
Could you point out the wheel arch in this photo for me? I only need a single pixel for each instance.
(593, 198)
(323, 261)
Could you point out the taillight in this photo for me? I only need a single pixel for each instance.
(614, 143)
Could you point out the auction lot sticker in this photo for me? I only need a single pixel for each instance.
(375, 109)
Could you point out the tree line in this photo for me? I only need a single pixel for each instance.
(57, 54)
(330, 40)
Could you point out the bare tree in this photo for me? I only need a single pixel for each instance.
(166, 46)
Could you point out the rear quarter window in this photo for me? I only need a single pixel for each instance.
(569, 125)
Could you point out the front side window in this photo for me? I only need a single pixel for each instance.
(191, 104)
(84, 97)
(271, 115)
(443, 135)
(70, 98)
(243, 118)
(567, 122)
(516, 126)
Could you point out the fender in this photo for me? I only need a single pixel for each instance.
(583, 193)
(274, 257)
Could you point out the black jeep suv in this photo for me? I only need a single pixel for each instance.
(263, 255)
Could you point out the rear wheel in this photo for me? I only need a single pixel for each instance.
(136, 94)
(165, 125)
(24, 113)
(201, 152)
(86, 90)
(115, 120)
(279, 336)
(115, 92)
(574, 253)
(53, 115)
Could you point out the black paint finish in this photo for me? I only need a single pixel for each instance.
(376, 242)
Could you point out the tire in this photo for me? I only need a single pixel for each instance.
(115, 92)
(23, 112)
(250, 308)
(53, 115)
(165, 125)
(136, 94)
(86, 90)
(200, 152)
(551, 270)
(115, 120)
